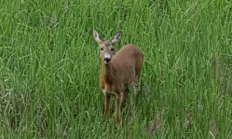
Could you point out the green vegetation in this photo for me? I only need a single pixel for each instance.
(49, 68)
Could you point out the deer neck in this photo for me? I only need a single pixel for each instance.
(106, 72)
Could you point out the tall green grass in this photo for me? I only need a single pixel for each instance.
(49, 68)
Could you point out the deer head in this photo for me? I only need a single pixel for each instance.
(106, 47)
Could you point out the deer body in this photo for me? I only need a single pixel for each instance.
(118, 71)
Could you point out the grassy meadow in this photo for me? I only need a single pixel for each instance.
(50, 66)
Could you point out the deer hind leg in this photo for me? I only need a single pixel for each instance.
(136, 84)
(123, 96)
(107, 101)
(138, 68)
(137, 76)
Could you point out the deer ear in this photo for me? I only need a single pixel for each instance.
(117, 37)
(97, 37)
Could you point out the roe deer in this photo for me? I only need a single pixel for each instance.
(118, 71)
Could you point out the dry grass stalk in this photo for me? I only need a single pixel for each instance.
(188, 120)
(147, 90)
(215, 64)
(133, 108)
(213, 128)
(153, 128)
(65, 6)
(53, 21)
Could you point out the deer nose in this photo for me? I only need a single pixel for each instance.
(107, 59)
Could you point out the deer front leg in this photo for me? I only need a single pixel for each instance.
(117, 108)
(107, 100)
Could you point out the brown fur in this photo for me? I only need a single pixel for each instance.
(116, 76)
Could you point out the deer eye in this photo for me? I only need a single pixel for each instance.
(112, 49)
(101, 49)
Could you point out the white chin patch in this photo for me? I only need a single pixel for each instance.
(107, 58)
